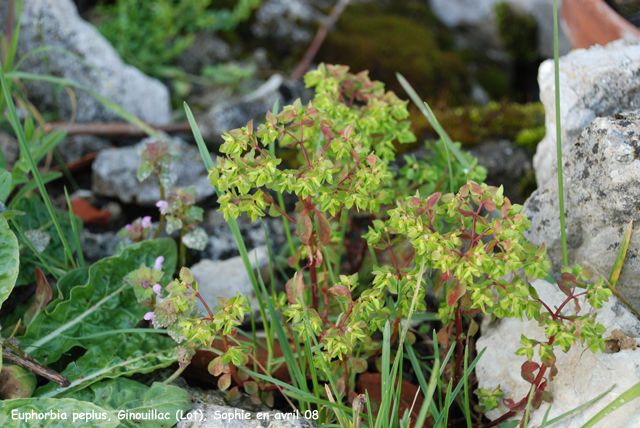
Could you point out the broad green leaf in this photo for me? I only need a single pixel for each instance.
(37, 219)
(10, 260)
(16, 382)
(95, 300)
(63, 413)
(120, 355)
(133, 397)
(5, 184)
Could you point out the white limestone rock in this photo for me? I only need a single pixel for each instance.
(226, 278)
(56, 23)
(582, 375)
(597, 82)
(115, 173)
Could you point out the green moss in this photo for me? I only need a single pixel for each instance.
(404, 40)
(518, 33)
(495, 81)
(523, 123)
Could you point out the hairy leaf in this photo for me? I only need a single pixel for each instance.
(96, 300)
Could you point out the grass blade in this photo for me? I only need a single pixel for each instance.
(628, 395)
(74, 228)
(17, 127)
(588, 403)
(556, 55)
(622, 253)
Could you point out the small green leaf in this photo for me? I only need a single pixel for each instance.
(16, 382)
(224, 382)
(43, 297)
(5, 184)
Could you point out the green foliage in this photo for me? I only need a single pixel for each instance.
(181, 213)
(133, 397)
(41, 232)
(9, 255)
(151, 34)
(471, 125)
(429, 174)
(111, 357)
(518, 33)
(95, 300)
(382, 39)
(529, 138)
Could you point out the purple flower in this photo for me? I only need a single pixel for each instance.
(158, 264)
(145, 285)
(163, 205)
(157, 288)
(149, 316)
(128, 227)
(146, 222)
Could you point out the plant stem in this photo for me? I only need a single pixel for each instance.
(345, 375)
(183, 251)
(556, 54)
(232, 367)
(459, 346)
(314, 282)
(175, 375)
(161, 224)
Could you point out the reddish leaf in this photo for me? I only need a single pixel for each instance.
(324, 229)
(43, 296)
(308, 122)
(224, 382)
(528, 376)
(433, 200)
(250, 127)
(340, 385)
(489, 205)
(442, 336)
(439, 280)
(340, 290)
(568, 277)
(455, 293)
(255, 398)
(251, 387)
(530, 366)
(215, 366)
(326, 131)
(546, 396)
(372, 160)
(268, 400)
(465, 212)
(271, 118)
(415, 202)
(563, 287)
(553, 372)
(312, 112)
(304, 227)
(578, 308)
(475, 188)
(318, 257)
(359, 365)
(233, 393)
(536, 401)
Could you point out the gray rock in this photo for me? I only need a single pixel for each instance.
(10, 148)
(594, 83)
(289, 21)
(233, 114)
(56, 23)
(207, 49)
(96, 246)
(236, 113)
(115, 173)
(582, 375)
(76, 146)
(478, 17)
(225, 278)
(506, 165)
(222, 243)
(601, 175)
(214, 416)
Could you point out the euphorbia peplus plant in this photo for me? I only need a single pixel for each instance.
(335, 135)
(482, 264)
